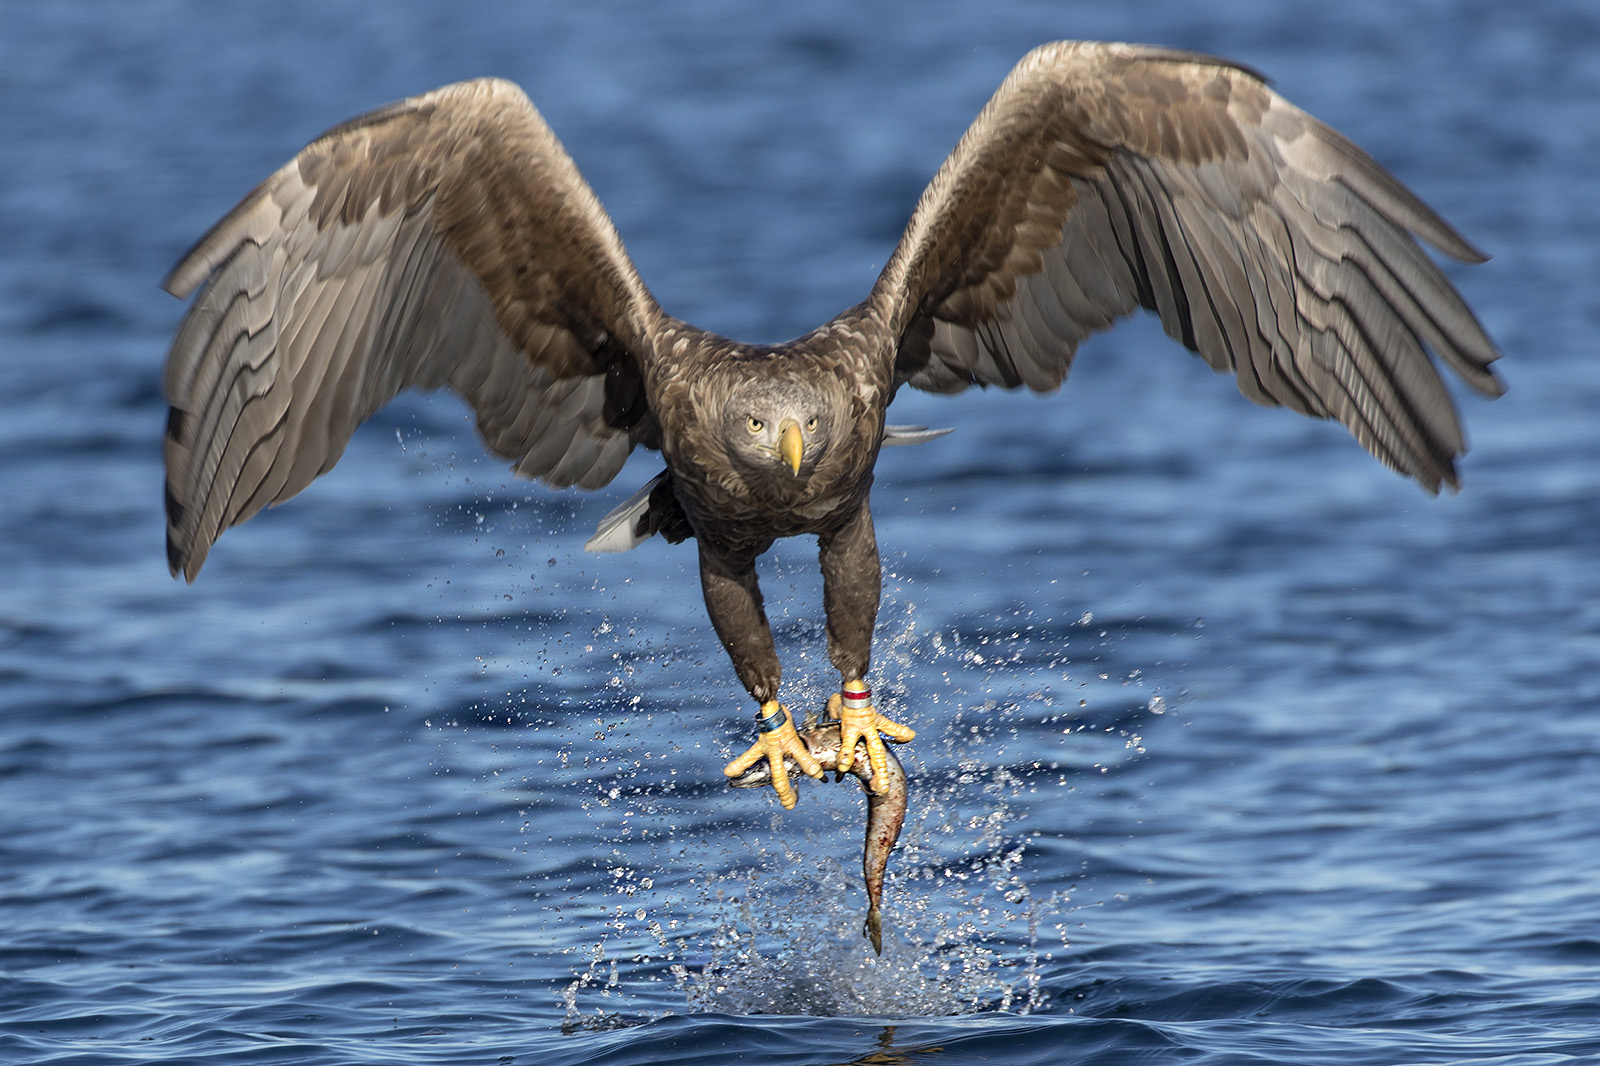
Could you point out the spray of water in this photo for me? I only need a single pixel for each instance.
(716, 906)
(771, 921)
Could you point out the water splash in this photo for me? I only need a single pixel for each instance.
(793, 944)
(770, 920)
(764, 917)
(779, 931)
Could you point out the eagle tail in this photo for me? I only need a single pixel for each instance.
(624, 528)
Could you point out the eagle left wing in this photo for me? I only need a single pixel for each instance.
(1102, 178)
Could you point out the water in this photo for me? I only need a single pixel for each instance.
(1233, 746)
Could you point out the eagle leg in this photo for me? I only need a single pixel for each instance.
(775, 738)
(860, 720)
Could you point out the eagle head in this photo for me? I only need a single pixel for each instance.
(777, 426)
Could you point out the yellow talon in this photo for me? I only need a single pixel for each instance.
(860, 721)
(773, 743)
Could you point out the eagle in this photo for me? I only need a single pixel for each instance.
(448, 241)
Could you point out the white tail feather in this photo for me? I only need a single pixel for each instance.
(615, 532)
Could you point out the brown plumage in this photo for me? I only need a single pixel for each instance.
(449, 241)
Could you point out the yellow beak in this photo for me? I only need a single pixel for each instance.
(791, 445)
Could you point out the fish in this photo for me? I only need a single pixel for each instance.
(886, 811)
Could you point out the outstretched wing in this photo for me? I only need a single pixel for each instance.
(1102, 178)
(443, 241)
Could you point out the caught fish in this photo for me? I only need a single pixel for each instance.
(886, 811)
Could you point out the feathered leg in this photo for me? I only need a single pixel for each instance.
(851, 587)
(733, 599)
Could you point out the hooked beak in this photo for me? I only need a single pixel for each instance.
(791, 445)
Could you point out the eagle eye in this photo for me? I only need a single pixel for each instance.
(754, 424)
(811, 424)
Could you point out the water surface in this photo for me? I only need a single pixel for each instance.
(1233, 747)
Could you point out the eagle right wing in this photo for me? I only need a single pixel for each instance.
(447, 240)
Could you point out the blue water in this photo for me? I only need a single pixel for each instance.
(1234, 747)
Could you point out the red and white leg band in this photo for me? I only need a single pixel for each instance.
(856, 695)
